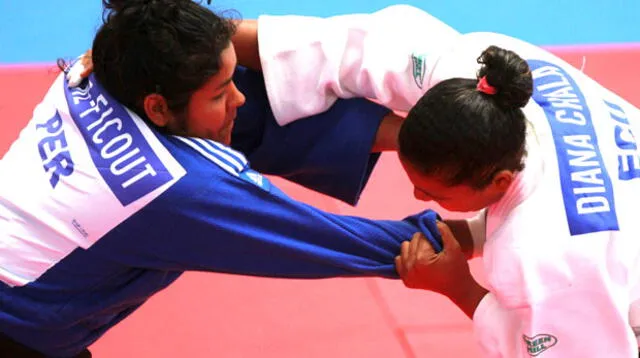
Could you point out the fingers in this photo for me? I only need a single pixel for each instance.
(424, 250)
(75, 75)
(448, 240)
(87, 62)
(405, 255)
(415, 252)
(421, 248)
(401, 260)
(406, 259)
(413, 246)
(80, 70)
(86, 72)
(417, 249)
(402, 272)
(402, 268)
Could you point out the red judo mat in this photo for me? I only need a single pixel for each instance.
(216, 315)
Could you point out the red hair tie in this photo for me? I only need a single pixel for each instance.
(485, 87)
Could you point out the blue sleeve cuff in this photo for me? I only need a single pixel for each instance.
(427, 223)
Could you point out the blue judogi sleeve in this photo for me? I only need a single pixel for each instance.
(241, 223)
(328, 152)
(104, 211)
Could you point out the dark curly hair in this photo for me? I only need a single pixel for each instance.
(169, 47)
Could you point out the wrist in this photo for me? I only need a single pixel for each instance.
(462, 233)
(468, 296)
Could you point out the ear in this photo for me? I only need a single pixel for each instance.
(502, 180)
(157, 110)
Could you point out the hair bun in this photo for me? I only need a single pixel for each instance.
(509, 74)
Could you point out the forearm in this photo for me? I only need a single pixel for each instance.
(468, 296)
(245, 41)
(470, 233)
(387, 135)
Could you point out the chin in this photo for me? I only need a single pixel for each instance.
(226, 139)
(461, 209)
(225, 135)
(470, 210)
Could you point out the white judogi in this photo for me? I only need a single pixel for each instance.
(385, 55)
(562, 246)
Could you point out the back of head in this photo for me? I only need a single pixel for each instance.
(463, 131)
(169, 47)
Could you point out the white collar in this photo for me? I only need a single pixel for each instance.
(524, 184)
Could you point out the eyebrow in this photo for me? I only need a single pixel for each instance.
(430, 195)
(225, 83)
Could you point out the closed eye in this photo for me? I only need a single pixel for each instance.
(219, 97)
(431, 196)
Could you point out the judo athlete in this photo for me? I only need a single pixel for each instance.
(116, 187)
(546, 155)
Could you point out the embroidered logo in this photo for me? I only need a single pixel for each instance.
(419, 68)
(539, 343)
(255, 178)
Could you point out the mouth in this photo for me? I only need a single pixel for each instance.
(228, 127)
(231, 120)
(231, 123)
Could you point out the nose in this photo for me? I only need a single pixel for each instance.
(238, 97)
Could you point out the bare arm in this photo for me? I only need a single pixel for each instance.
(387, 135)
(245, 42)
(470, 233)
(460, 229)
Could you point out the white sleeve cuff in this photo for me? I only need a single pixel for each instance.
(478, 230)
(280, 67)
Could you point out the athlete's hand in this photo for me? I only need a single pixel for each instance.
(80, 70)
(421, 267)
